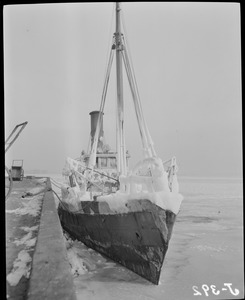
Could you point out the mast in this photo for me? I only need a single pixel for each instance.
(119, 47)
(121, 162)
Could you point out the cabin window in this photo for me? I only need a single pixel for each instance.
(97, 162)
(72, 181)
(103, 162)
(113, 163)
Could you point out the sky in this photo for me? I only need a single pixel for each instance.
(187, 62)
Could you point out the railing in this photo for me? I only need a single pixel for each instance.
(151, 175)
(171, 168)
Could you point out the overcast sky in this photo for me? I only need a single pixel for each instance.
(187, 61)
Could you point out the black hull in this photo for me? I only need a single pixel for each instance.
(137, 239)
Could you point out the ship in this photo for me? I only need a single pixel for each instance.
(125, 214)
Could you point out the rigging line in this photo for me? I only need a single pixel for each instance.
(98, 126)
(129, 55)
(130, 63)
(87, 168)
(133, 95)
(90, 181)
(117, 134)
(101, 174)
(136, 86)
(55, 185)
(106, 69)
(149, 139)
(137, 111)
(106, 80)
(147, 133)
(55, 181)
(167, 161)
(109, 39)
(102, 104)
(111, 29)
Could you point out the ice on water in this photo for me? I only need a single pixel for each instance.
(206, 248)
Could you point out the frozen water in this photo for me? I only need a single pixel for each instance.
(206, 248)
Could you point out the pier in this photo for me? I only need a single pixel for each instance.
(36, 260)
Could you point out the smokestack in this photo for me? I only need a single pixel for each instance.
(94, 120)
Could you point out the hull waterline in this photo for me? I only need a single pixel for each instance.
(137, 239)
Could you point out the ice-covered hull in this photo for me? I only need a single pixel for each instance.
(137, 239)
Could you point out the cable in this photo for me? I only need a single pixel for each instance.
(67, 209)
(61, 202)
(55, 184)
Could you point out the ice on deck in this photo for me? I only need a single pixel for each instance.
(155, 188)
(166, 200)
(135, 187)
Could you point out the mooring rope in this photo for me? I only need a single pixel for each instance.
(56, 183)
(61, 202)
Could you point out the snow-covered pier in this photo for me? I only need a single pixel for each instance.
(36, 258)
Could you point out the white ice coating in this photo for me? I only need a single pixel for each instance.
(73, 195)
(166, 200)
(72, 165)
(21, 267)
(154, 188)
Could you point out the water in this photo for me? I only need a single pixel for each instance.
(205, 256)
